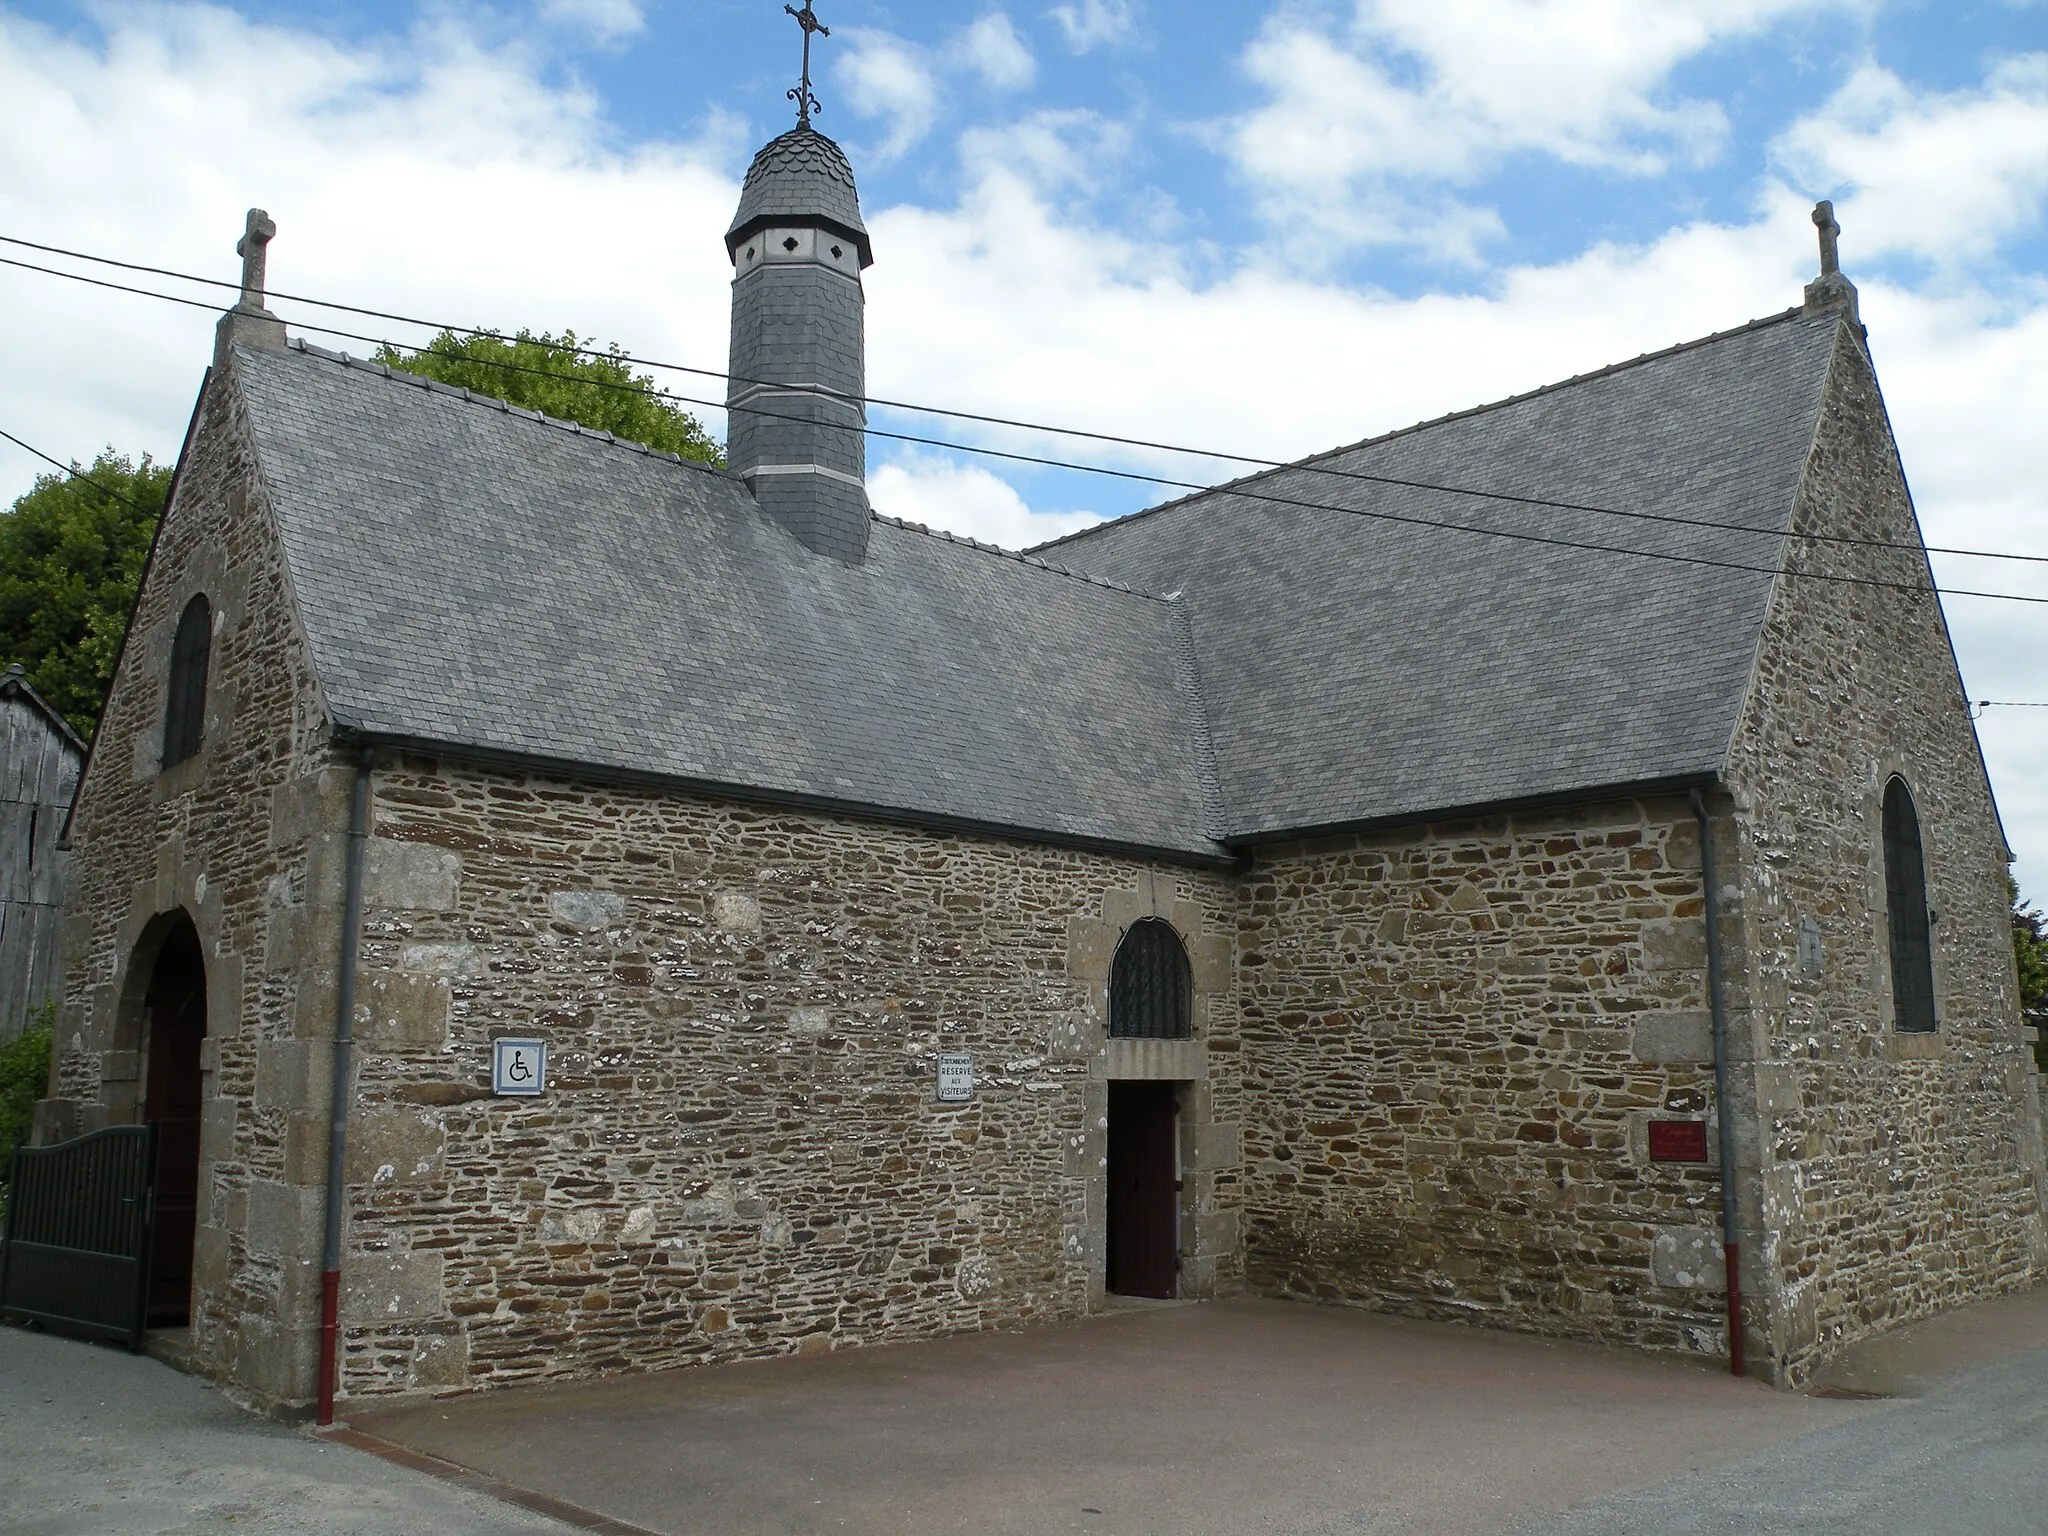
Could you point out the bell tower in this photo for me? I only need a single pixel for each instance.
(794, 401)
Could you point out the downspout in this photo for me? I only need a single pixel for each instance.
(337, 1109)
(1717, 1000)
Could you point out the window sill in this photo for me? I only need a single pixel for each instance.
(1921, 1045)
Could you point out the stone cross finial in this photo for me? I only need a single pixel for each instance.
(1824, 221)
(1831, 290)
(256, 234)
(806, 103)
(248, 322)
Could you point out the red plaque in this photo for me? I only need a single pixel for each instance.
(1678, 1141)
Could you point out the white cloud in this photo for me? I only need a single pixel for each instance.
(1363, 129)
(992, 48)
(1942, 176)
(1093, 24)
(887, 79)
(1050, 149)
(444, 179)
(431, 178)
(964, 498)
(606, 20)
(898, 83)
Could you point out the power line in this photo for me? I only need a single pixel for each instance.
(77, 474)
(1309, 466)
(1241, 489)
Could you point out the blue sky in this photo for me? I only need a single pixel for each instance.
(1264, 226)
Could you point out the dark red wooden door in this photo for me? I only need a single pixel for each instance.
(1144, 1204)
(176, 1022)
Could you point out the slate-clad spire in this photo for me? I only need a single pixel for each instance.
(798, 371)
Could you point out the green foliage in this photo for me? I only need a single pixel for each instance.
(24, 1074)
(71, 552)
(2030, 949)
(547, 373)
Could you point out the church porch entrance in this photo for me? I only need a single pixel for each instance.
(174, 1026)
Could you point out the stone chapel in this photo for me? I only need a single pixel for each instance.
(1429, 876)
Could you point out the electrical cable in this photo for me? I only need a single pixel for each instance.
(77, 474)
(1261, 464)
(1240, 489)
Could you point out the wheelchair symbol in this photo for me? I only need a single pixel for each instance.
(519, 1067)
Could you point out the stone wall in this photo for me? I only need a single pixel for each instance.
(740, 1152)
(152, 847)
(1455, 1038)
(1891, 1175)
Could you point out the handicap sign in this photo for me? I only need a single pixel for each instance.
(519, 1067)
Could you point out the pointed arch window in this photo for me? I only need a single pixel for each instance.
(1905, 895)
(185, 701)
(1151, 987)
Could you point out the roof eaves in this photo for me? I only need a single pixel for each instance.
(1213, 856)
(1251, 843)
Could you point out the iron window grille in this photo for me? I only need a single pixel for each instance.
(1151, 989)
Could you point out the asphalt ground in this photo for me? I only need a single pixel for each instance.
(1224, 1417)
(98, 1442)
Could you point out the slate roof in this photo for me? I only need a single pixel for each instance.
(800, 175)
(482, 580)
(1357, 669)
(475, 577)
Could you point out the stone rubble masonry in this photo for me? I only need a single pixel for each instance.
(1886, 1176)
(1423, 1066)
(740, 1151)
(1454, 1040)
(220, 838)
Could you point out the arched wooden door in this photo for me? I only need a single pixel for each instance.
(174, 1022)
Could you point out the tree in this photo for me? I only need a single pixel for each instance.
(24, 1078)
(552, 374)
(2030, 949)
(71, 552)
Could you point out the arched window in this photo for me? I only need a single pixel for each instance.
(1905, 896)
(1151, 990)
(185, 702)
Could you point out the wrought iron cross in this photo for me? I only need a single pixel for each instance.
(1824, 221)
(256, 233)
(806, 103)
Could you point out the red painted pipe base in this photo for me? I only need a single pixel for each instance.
(1734, 1257)
(330, 1341)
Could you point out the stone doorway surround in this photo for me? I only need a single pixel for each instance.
(1209, 1143)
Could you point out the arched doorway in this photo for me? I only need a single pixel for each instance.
(1151, 992)
(174, 1025)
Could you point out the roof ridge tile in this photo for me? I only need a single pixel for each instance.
(1021, 557)
(493, 402)
(1223, 487)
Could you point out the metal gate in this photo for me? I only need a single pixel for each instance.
(76, 1254)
